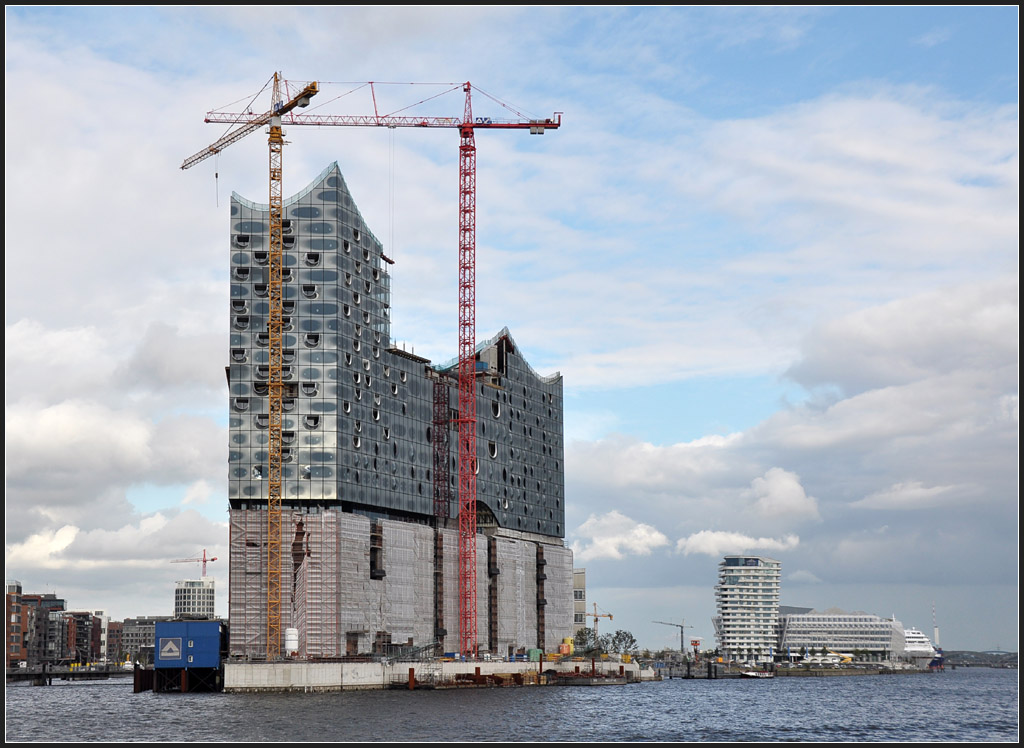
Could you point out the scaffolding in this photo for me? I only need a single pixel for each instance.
(352, 585)
(315, 602)
(247, 581)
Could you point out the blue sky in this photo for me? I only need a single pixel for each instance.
(772, 251)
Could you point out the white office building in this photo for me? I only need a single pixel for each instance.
(194, 598)
(861, 635)
(747, 601)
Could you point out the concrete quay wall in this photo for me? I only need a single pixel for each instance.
(301, 676)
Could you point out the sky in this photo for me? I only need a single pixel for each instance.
(772, 252)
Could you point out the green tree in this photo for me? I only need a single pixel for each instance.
(622, 642)
(584, 641)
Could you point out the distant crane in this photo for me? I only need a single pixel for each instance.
(203, 559)
(595, 615)
(682, 633)
(281, 112)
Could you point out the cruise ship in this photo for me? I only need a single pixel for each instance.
(917, 648)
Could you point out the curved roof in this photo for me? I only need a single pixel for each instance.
(315, 184)
(503, 334)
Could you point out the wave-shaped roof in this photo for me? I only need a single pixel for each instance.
(503, 334)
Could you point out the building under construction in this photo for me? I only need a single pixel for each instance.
(370, 551)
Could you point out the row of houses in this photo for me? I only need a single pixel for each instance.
(41, 630)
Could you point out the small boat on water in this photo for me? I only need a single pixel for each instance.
(757, 674)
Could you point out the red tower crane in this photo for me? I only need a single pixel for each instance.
(203, 559)
(282, 114)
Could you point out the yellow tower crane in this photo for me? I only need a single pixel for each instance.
(275, 324)
(595, 615)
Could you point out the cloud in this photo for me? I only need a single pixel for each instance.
(908, 496)
(933, 37)
(39, 550)
(149, 541)
(45, 445)
(634, 465)
(103, 446)
(718, 543)
(803, 577)
(615, 536)
(780, 496)
(857, 182)
(198, 493)
(969, 327)
(165, 360)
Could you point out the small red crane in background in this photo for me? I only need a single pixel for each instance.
(202, 560)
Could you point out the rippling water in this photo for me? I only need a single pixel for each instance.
(967, 704)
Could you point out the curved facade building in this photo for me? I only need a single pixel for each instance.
(837, 630)
(369, 450)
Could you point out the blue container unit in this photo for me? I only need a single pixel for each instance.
(187, 644)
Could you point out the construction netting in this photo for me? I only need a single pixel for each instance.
(558, 612)
(517, 595)
(352, 586)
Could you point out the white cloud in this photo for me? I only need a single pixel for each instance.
(46, 443)
(802, 576)
(969, 327)
(630, 465)
(779, 495)
(198, 493)
(150, 541)
(719, 543)
(40, 550)
(933, 37)
(614, 535)
(164, 359)
(908, 496)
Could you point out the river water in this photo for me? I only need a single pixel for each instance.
(966, 704)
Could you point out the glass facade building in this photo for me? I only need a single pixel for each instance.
(359, 435)
(359, 412)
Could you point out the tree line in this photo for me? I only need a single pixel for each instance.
(621, 642)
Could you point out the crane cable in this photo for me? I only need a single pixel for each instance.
(391, 196)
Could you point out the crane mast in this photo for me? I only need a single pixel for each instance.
(275, 325)
(467, 383)
(682, 632)
(595, 615)
(281, 113)
(275, 142)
